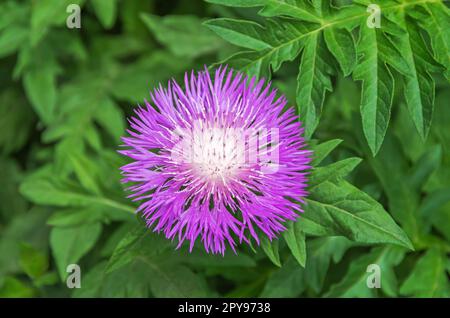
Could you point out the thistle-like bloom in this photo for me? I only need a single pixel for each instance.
(219, 161)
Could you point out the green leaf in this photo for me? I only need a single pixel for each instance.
(40, 87)
(167, 279)
(127, 249)
(12, 13)
(134, 81)
(434, 18)
(428, 277)
(175, 281)
(46, 190)
(13, 203)
(342, 209)
(322, 150)
(288, 281)
(93, 282)
(15, 288)
(78, 216)
(16, 119)
(132, 281)
(47, 13)
(33, 262)
(321, 252)
(106, 11)
(111, 118)
(47, 279)
(419, 85)
(354, 283)
(184, 35)
(295, 239)
(333, 172)
(286, 38)
(271, 250)
(85, 171)
(376, 51)
(377, 88)
(341, 44)
(138, 242)
(11, 39)
(313, 82)
(200, 258)
(70, 244)
(242, 33)
(26, 227)
(428, 163)
(293, 8)
(391, 169)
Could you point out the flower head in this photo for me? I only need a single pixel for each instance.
(221, 160)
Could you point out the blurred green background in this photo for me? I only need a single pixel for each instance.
(64, 97)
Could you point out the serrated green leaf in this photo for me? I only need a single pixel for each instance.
(293, 8)
(377, 88)
(313, 82)
(375, 51)
(419, 85)
(341, 44)
(242, 33)
(286, 38)
(434, 18)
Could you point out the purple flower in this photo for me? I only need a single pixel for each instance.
(220, 160)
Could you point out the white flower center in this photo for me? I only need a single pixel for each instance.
(215, 152)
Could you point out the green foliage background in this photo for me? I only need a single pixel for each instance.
(374, 103)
